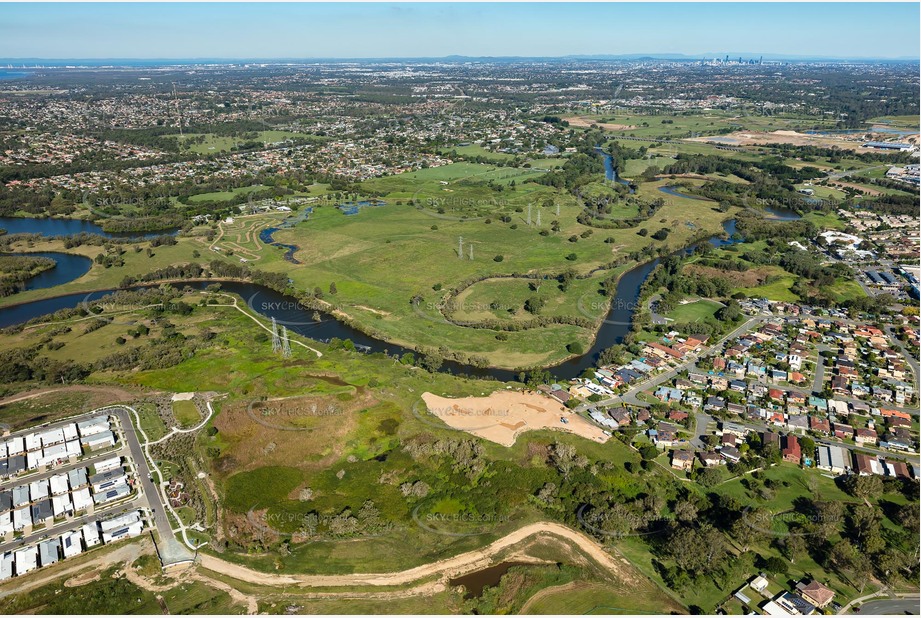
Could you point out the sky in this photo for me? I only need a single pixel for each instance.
(391, 30)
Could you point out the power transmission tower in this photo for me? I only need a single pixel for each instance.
(276, 342)
(557, 209)
(460, 247)
(471, 251)
(538, 217)
(285, 344)
(529, 214)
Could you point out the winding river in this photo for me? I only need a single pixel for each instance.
(287, 311)
(54, 228)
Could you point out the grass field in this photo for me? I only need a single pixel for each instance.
(777, 290)
(208, 143)
(694, 312)
(186, 413)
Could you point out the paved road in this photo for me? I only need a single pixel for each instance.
(890, 607)
(48, 473)
(73, 524)
(630, 397)
(703, 420)
(819, 368)
(911, 360)
(171, 550)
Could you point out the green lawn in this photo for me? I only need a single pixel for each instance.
(778, 290)
(186, 413)
(694, 312)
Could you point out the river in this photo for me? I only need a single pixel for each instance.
(54, 228)
(297, 318)
(67, 267)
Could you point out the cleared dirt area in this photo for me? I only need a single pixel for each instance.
(504, 415)
(749, 138)
(581, 121)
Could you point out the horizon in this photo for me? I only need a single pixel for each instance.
(239, 32)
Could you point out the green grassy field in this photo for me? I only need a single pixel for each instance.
(186, 413)
(693, 312)
(208, 143)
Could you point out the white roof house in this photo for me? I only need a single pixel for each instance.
(52, 436)
(59, 484)
(26, 559)
(6, 522)
(107, 525)
(53, 454)
(15, 446)
(39, 489)
(81, 498)
(833, 458)
(90, 534)
(73, 448)
(33, 458)
(108, 464)
(72, 543)
(61, 505)
(99, 440)
(6, 566)
(94, 425)
(125, 532)
(70, 432)
(33, 441)
(22, 517)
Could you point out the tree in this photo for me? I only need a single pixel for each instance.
(793, 547)
(565, 458)
(776, 565)
(534, 304)
(863, 487)
(708, 477)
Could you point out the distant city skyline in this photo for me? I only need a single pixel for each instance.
(187, 31)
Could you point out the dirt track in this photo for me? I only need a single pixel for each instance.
(444, 569)
(117, 394)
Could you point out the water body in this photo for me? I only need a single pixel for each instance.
(297, 318)
(67, 268)
(266, 237)
(474, 583)
(53, 228)
(610, 173)
(10, 74)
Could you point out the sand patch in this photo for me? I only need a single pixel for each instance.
(581, 121)
(504, 415)
(749, 138)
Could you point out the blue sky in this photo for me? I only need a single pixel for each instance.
(257, 30)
